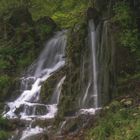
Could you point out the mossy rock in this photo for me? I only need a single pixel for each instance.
(71, 90)
(45, 27)
(46, 20)
(49, 86)
(127, 102)
(115, 105)
(4, 135)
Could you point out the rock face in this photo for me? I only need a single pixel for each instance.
(100, 4)
(47, 20)
(92, 13)
(79, 66)
(49, 86)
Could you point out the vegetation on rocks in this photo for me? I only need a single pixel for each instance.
(120, 120)
(25, 25)
(21, 41)
(71, 90)
(4, 128)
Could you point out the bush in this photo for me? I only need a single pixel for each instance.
(4, 123)
(4, 81)
(4, 135)
(126, 20)
(123, 14)
(117, 125)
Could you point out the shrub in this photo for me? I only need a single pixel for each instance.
(4, 135)
(128, 34)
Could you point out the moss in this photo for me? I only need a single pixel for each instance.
(49, 86)
(4, 135)
(19, 16)
(45, 27)
(71, 91)
(5, 82)
(4, 129)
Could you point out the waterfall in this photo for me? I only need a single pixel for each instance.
(27, 105)
(90, 97)
(94, 61)
(98, 68)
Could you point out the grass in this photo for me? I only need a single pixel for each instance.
(120, 121)
(4, 126)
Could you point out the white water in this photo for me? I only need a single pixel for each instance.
(94, 61)
(30, 132)
(91, 90)
(50, 60)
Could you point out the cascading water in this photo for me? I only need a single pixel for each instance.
(98, 67)
(28, 106)
(94, 61)
(90, 98)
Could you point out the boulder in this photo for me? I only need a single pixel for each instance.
(48, 21)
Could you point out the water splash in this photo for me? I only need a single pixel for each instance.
(27, 105)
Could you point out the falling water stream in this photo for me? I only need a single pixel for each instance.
(27, 106)
(96, 70)
(90, 98)
(94, 61)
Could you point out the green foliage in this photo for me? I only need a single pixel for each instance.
(44, 30)
(71, 13)
(4, 81)
(8, 4)
(117, 124)
(4, 64)
(129, 38)
(123, 14)
(128, 35)
(4, 126)
(65, 13)
(4, 123)
(4, 135)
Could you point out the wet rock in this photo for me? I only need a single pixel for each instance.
(128, 102)
(42, 123)
(73, 125)
(19, 110)
(17, 123)
(38, 137)
(41, 110)
(92, 13)
(49, 86)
